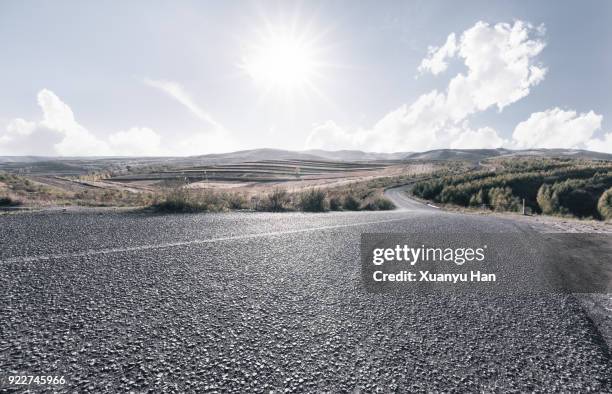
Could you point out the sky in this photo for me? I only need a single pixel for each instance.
(144, 78)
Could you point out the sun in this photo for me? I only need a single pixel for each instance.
(282, 61)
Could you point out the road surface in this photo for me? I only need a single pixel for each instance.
(254, 302)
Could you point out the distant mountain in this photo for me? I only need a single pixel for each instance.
(481, 154)
(355, 155)
(573, 153)
(253, 155)
(457, 154)
(35, 162)
(24, 159)
(312, 154)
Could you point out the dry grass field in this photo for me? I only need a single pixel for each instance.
(234, 185)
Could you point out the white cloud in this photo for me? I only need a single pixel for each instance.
(135, 142)
(27, 138)
(210, 141)
(556, 128)
(58, 133)
(483, 138)
(421, 126)
(501, 69)
(215, 139)
(417, 127)
(77, 140)
(330, 135)
(20, 127)
(601, 145)
(435, 62)
(57, 115)
(178, 93)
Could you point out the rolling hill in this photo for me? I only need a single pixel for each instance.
(481, 154)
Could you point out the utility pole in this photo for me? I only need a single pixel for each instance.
(524, 211)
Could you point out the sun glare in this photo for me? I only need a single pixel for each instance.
(282, 61)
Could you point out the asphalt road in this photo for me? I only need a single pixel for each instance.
(253, 302)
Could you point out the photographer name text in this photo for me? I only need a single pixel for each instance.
(426, 276)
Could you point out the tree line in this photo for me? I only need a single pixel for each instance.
(549, 186)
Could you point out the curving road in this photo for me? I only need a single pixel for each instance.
(254, 302)
(404, 203)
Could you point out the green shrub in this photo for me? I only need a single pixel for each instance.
(379, 204)
(478, 199)
(236, 201)
(181, 200)
(604, 205)
(428, 190)
(577, 197)
(175, 201)
(313, 201)
(8, 202)
(546, 201)
(384, 204)
(457, 195)
(350, 203)
(335, 204)
(502, 199)
(580, 203)
(277, 201)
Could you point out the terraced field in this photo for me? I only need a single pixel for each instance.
(261, 171)
(137, 182)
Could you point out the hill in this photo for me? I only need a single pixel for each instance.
(41, 164)
(457, 154)
(356, 155)
(481, 154)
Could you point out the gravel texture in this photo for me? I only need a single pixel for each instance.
(249, 302)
